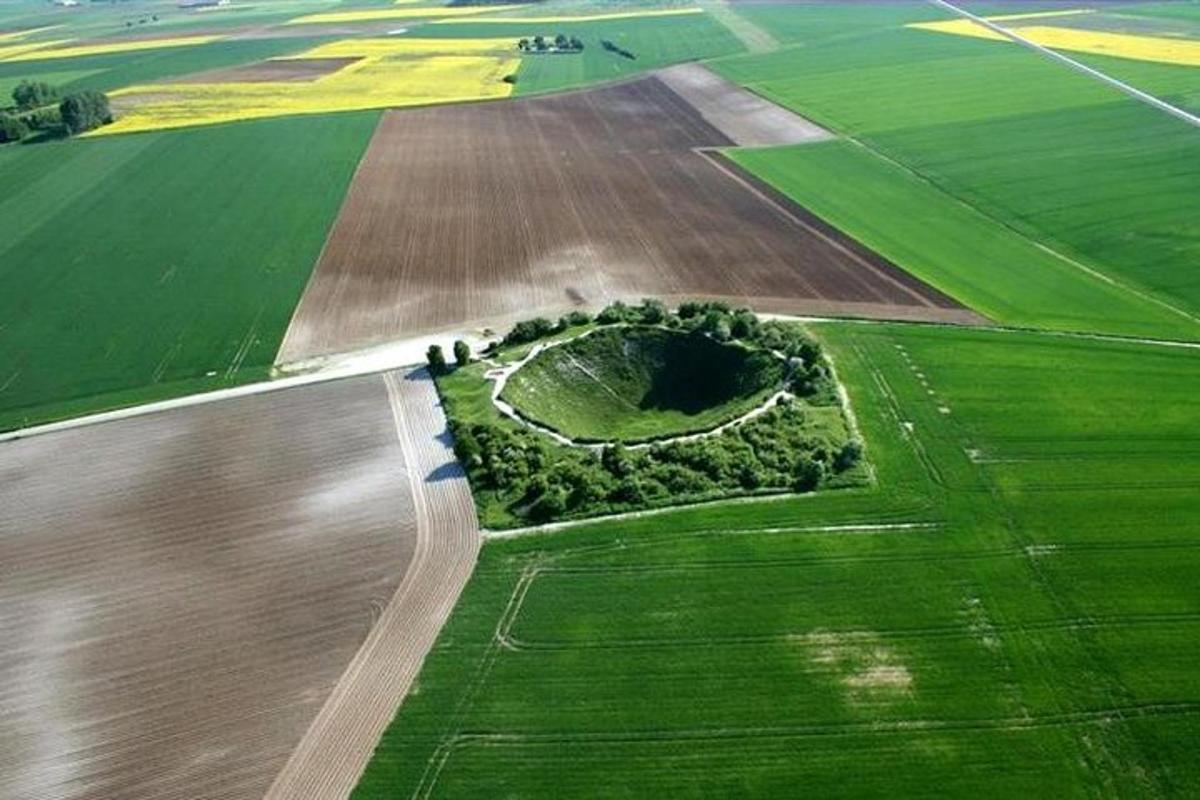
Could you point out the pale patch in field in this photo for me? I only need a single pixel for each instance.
(868, 670)
(387, 73)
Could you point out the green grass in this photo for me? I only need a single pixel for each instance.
(656, 41)
(134, 267)
(1036, 639)
(952, 246)
(637, 384)
(1050, 154)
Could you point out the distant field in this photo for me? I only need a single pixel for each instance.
(949, 245)
(1032, 635)
(115, 71)
(1049, 153)
(153, 265)
(655, 41)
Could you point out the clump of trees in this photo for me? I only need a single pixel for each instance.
(28, 95)
(39, 107)
(559, 44)
(780, 450)
(85, 111)
(787, 448)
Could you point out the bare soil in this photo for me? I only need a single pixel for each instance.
(478, 214)
(747, 119)
(285, 70)
(180, 592)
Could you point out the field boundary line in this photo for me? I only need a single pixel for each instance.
(1132, 91)
(867, 527)
(330, 758)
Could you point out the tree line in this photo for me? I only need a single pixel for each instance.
(559, 44)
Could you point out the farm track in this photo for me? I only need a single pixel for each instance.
(335, 750)
(478, 214)
(180, 592)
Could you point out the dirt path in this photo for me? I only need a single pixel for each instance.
(335, 750)
(755, 38)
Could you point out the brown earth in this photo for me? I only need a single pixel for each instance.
(180, 592)
(477, 214)
(284, 70)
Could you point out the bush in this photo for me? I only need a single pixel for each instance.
(29, 95)
(85, 111)
(12, 129)
(44, 119)
(575, 319)
(436, 358)
(652, 312)
(530, 330)
(807, 473)
(613, 313)
(462, 353)
(848, 455)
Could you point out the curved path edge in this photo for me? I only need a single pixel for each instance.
(330, 759)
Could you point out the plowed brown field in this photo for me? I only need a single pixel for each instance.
(180, 592)
(482, 213)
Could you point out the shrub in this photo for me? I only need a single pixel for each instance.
(807, 473)
(462, 353)
(33, 94)
(652, 312)
(575, 319)
(848, 455)
(436, 358)
(12, 129)
(613, 313)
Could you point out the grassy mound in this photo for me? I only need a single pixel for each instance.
(640, 383)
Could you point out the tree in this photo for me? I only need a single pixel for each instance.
(576, 43)
(85, 111)
(848, 455)
(12, 129)
(462, 353)
(652, 311)
(808, 473)
(436, 358)
(29, 95)
(560, 42)
(522, 44)
(539, 42)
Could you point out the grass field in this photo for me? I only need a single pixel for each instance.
(656, 41)
(1047, 153)
(1031, 633)
(152, 265)
(639, 384)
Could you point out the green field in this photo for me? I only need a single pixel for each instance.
(1032, 633)
(637, 384)
(159, 264)
(118, 70)
(1047, 153)
(656, 41)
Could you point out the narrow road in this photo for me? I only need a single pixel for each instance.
(331, 757)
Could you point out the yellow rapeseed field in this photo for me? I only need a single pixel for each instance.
(49, 50)
(662, 12)
(13, 36)
(12, 52)
(389, 73)
(1160, 49)
(406, 12)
